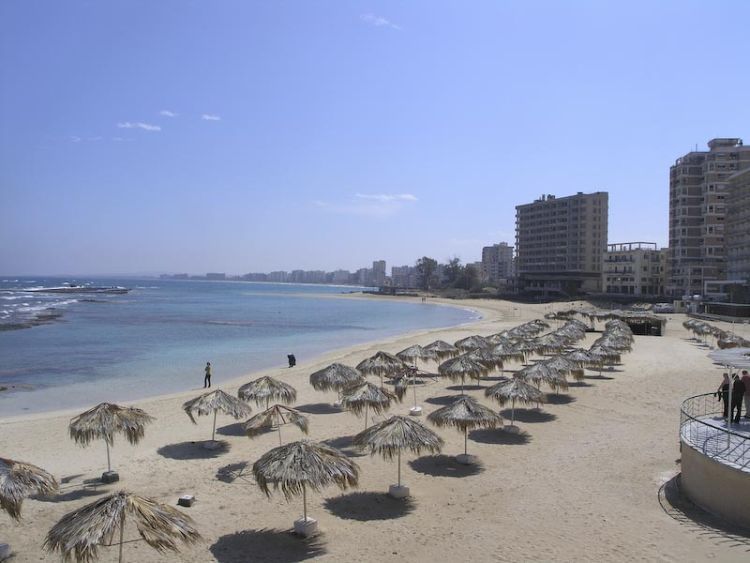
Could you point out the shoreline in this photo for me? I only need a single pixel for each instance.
(315, 360)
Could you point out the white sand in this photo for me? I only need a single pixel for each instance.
(584, 486)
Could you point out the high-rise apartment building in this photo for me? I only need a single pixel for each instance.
(698, 188)
(737, 228)
(560, 243)
(497, 262)
(378, 273)
(634, 268)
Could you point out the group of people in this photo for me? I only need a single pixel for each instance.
(740, 393)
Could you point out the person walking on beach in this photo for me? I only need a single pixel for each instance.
(738, 393)
(746, 380)
(292, 360)
(722, 394)
(207, 379)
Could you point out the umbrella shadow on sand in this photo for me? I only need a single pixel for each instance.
(467, 387)
(234, 429)
(319, 408)
(442, 400)
(529, 415)
(266, 545)
(346, 445)
(68, 496)
(443, 466)
(559, 399)
(192, 450)
(499, 436)
(366, 506)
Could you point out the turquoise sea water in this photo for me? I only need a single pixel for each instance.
(157, 338)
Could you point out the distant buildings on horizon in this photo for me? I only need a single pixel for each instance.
(562, 248)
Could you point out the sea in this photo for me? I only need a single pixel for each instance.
(75, 350)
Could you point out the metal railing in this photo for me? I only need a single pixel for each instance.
(702, 427)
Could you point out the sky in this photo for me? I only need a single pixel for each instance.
(242, 136)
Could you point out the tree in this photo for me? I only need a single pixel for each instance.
(453, 271)
(426, 268)
(470, 278)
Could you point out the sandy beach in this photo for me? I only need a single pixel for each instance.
(582, 481)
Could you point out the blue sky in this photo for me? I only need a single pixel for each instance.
(254, 136)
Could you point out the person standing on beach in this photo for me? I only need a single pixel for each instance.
(738, 393)
(207, 379)
(722, 394)
(746, 380)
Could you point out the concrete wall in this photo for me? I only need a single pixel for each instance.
(715, 487)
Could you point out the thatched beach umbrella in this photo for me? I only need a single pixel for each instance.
(470, 343)
(79, 533)
(365, 396)
(601, 355)
(393, 435)
(380, 364)
(542, 372)
(487, 357)
(334, 377)
(104, 421)
(460, 367)
(566, 367)
(277, 415)
(412, 355)
(464, 414)
(19, 480)
(297, 466)
(266, 388)
(443, 349)
(212, 403)
(514, 389)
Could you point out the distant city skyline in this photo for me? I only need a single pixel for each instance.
(144, 137)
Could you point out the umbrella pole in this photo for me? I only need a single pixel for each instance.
(512, 412)
(399, 467)
(278, 426)
(213, 432)
(109, 465)
(304, 503)
(367, 408)
(122, 533)
(466, 438)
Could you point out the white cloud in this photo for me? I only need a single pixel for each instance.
(388, 197)
(210, 117)
(378, 21)
(75, 139)
(167, 113)
(138, 125)
(368, 205)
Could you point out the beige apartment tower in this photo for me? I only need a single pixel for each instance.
(497, 262)
(698, 190)
(560, 244)
(634, 268)
(737, 228)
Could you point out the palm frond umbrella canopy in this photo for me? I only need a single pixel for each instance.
(487, 357)
(390, 437)
(465, 413)
(79, 533)
(566, 367)
(728, 340)
(19, 480)
(298, 466)
(212, 403)
(601, 355)
(265, 389)
(514, 389)
(365, 396)
(508, 351)
(382, 364)
(104, 421)
(541, 372)
(621, 344)
(334, 377)
(498, 338)
(443, 349)
(462, 366)
(551, 343)
(470, 343)
(416, 352)
(275, 416)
